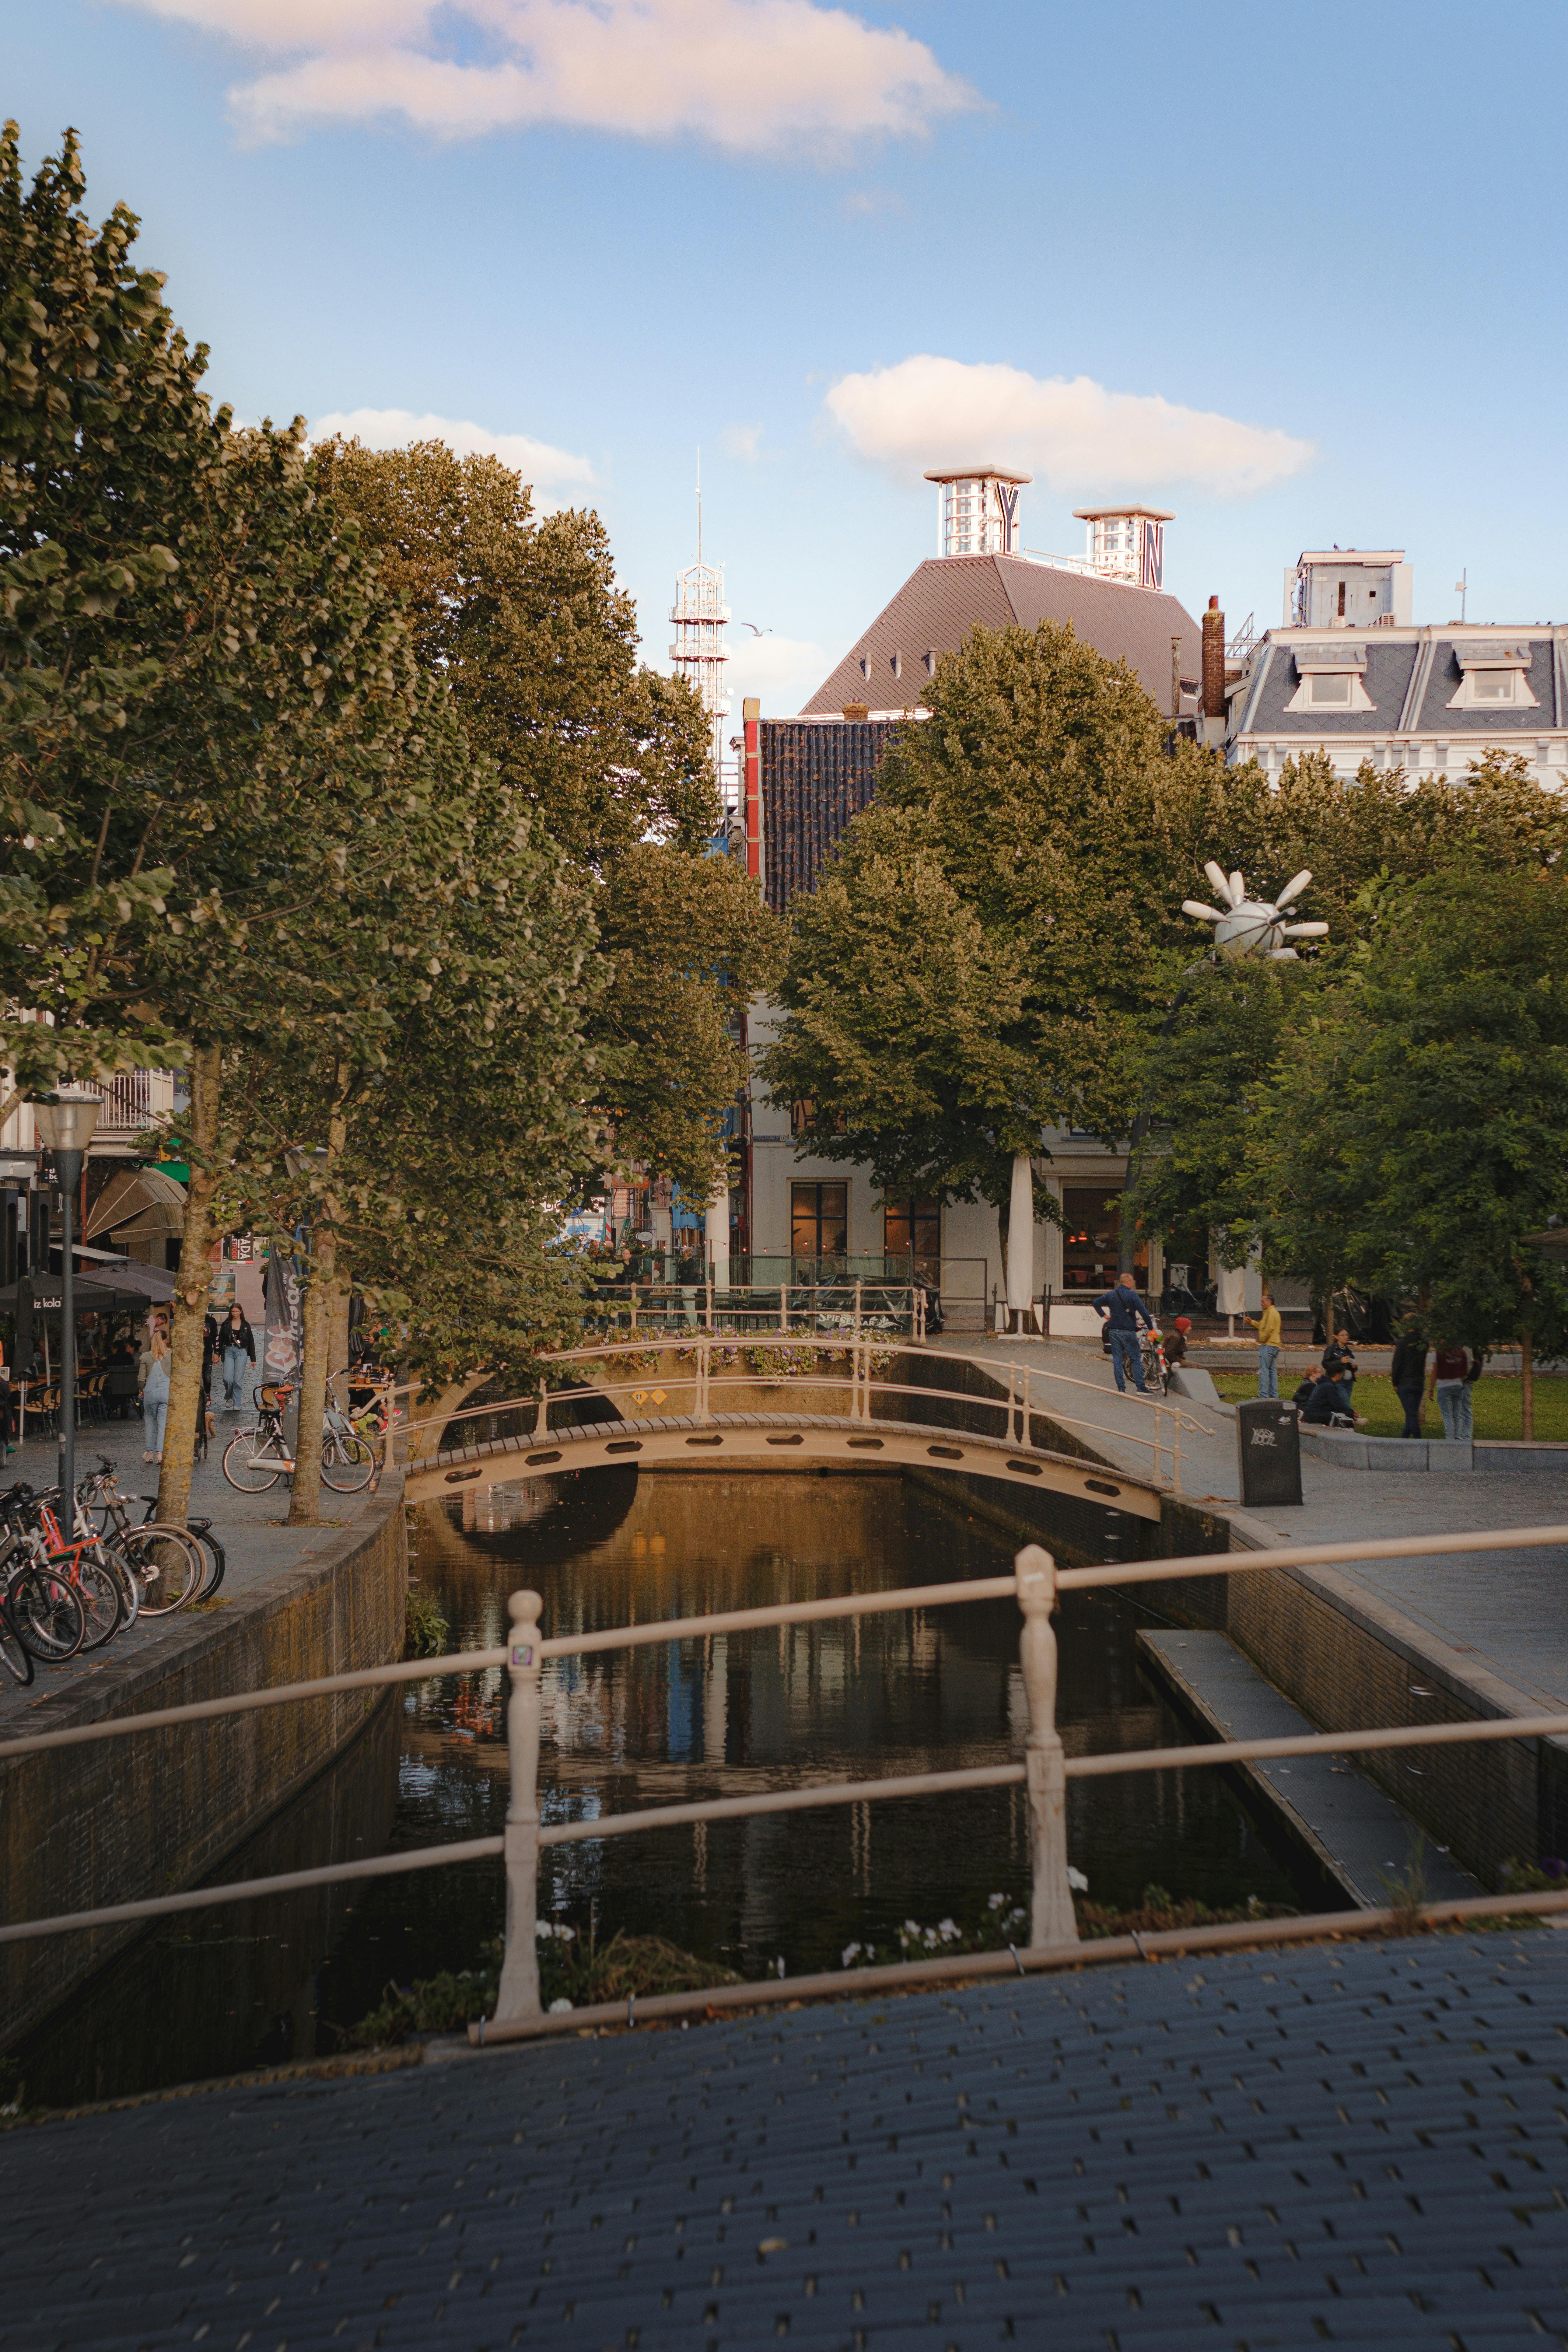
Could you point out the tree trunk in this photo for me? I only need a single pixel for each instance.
(1526, 1385)
(193, 1287)
(319, 1317)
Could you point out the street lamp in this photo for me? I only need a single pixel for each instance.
(64, 1128)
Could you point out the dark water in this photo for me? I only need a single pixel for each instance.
(906, 1692)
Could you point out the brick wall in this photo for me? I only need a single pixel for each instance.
(119, 1820)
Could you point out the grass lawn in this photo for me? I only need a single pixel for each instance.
(1496, 1403)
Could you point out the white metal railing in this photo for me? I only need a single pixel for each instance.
(1044, 1770)
(1025, 1398)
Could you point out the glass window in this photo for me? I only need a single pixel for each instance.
(818, 1219)
(1492, 685)
(1092, 1238)
(1331, 689)
(914, 1228)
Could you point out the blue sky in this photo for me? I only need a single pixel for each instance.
(1298, 277)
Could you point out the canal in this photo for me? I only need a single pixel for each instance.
(289, 1977)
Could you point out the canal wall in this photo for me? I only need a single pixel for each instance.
(1346, 1658)
(115, 1820)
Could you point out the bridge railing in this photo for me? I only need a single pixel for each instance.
(1044, 1770)
(860, 1365)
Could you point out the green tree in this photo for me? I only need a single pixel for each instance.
(977, 960)
(228, 778)
(1414, 1133)
(522, 617)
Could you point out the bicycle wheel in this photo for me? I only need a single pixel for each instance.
(169, 1565)
(47, 1614)
(216, 1559)
(244, 1465)
(347, 1462)
(15, 1654)
(98, 1589)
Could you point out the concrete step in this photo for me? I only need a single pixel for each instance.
(1361, 1837)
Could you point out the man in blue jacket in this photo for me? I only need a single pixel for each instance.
(1124, 1311)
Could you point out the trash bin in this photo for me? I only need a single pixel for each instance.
(1268, 1451)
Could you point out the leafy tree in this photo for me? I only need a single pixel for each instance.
(976, 960)
(1205, 1070)
(523, 618)
(228, 779)
(1416, 1131)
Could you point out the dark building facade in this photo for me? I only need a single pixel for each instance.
(815, 776)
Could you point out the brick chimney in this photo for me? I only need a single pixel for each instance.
(1213, 661)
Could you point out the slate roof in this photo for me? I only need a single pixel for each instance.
(1410, 677)
(1359, 2145)
(947, 596)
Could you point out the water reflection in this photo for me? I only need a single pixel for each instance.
(725, 1717)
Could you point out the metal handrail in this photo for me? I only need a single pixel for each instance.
(859, 1381)
(1045, 1771)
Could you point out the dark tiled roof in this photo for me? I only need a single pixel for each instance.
(1385, 679)
(1436, 718)
(815, 778)
(1410, 680)
(947, 596)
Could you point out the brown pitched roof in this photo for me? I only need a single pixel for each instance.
(947, 596)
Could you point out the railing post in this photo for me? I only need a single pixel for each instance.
(704, 1376)
(858, 1307)
(783, 1306)
(1052, 1920)
(518, 1994)
(541, 1417)
(1028, 1405)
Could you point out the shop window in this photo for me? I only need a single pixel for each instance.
(1091, 1239)
(818, 1220)
(914, 1228)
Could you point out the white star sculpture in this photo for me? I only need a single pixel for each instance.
(1246, 926)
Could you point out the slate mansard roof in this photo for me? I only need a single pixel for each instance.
(1411, 676)
(947, 596)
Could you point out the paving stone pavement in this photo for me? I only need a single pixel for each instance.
(1357, 2145)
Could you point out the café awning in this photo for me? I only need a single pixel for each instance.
(138, 1204)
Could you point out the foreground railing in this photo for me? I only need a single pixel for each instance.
(1044, 1770)
(1032, 1390)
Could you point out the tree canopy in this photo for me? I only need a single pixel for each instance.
(521, 617)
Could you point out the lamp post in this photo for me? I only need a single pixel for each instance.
(65, 1127)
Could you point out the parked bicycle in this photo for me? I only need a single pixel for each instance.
(254, 1460)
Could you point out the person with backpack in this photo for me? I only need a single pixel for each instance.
(1454, 1371)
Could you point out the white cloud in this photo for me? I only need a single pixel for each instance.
(743, 441)
(394, 428)
(750, 75)
(781, 671)
(1071, 433)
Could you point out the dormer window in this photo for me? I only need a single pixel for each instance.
(897, 664)
(1493, 675)
(1332, 678)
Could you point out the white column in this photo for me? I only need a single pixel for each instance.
(716, 1237)
(1021, 1233)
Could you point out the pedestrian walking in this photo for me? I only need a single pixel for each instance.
(238, 1350)
(1124, 1313)
(155, 1396)
(1268, 1326)
(1454, 1371)
(1409, 1372)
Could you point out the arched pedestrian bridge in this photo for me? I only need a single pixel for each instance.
(689, 1408)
